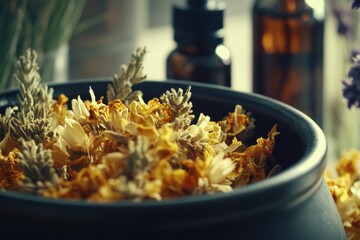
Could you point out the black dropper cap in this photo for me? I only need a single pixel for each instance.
(198, 22)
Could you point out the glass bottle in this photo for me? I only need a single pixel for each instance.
(288, 53)
(200, 54)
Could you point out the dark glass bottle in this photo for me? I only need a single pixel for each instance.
(200, 54)
(288, 53)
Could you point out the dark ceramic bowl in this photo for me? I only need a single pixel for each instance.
(294, 204)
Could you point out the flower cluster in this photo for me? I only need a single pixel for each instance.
(351, 90)
(345, 20)
(125, 149)
(345, 189)
(355, 4)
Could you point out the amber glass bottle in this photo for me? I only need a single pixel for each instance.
(288, 53)
(200, 54)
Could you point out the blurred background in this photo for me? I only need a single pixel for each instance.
(137, 23)
(85, 39)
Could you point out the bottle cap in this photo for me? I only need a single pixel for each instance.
(199, 21)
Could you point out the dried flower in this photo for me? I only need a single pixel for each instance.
(180, 106)
(219, 168)
(138, 159)
(72, 136)
(345, 190)
(130, 75)
(10, 174)
(250, 164)
(32, 120)
(127, 149)
(37, 167)
(351, 86)
(355, 4)
(239, 124)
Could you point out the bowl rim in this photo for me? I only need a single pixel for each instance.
(309, 169)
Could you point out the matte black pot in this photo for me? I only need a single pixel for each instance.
(294, 204)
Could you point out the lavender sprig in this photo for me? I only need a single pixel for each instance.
(180, 105)
(355, 4)
(32, 119)
(36, 163)
(351, 85)
(130, 74)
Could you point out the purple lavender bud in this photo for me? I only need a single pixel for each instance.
(354, 53)
(351, 86)
(354, 73)
(344, 20)
(355, 4)
(351, 92)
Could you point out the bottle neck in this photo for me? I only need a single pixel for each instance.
(283, 7)
(293, 6)
(200, 39)
(196, 48)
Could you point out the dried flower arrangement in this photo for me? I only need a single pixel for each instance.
(126, 149)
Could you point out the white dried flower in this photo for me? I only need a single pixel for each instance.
(71, 135)
(219, 168)
(79, 108)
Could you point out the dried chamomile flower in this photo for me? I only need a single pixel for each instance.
(71, 136)
(216, 170)
(92, 115)
(130, 75)
(193, 139)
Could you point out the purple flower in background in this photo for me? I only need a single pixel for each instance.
(351, 86)
(355, 4)
(354, 53)
(344, 20)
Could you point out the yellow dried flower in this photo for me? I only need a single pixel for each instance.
(250, 164)
(345, 190)
(10, 173)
